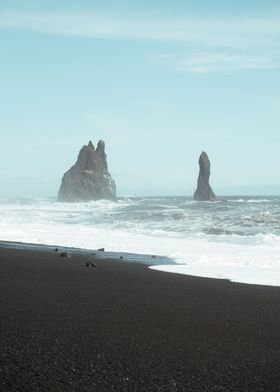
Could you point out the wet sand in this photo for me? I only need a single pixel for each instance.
(124, 327)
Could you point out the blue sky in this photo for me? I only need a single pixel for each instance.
(159, 81)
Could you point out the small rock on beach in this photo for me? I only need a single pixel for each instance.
(65, 254)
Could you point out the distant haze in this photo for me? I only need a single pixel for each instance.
(159, 82)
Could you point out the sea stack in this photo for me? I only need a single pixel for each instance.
(204, 191)
(89, 178)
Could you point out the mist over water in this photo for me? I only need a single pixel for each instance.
(234, 235)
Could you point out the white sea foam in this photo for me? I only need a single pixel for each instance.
(240, 274)
(204, 239)
(249, 200)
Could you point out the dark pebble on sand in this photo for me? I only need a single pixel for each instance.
(65, 254)
(91, 264)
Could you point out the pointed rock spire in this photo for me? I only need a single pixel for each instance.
(89, 178)
(204, 191)
(101, 147)
(90, 145)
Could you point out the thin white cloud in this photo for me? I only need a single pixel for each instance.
(216, 45)
(205, 62)
(216, 32)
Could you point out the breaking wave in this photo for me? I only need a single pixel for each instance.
(232, 233)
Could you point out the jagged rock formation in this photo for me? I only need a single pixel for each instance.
(204, 191)
(89, 178)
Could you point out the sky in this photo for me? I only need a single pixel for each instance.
(159, 81)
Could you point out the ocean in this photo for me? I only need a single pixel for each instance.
(236, 238)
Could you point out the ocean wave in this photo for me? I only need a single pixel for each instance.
(171, 219)
(261, 250)
(223, 234)
(251, 200)
(218, 231)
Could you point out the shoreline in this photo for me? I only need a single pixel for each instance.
(141, 258)
(124, 327)
(251, 275)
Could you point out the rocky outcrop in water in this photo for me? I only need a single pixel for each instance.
(204, 191)
(89, 178)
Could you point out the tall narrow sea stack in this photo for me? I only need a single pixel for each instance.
(204, 191)
(89, 178)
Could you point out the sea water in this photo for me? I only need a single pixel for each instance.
(236, 238)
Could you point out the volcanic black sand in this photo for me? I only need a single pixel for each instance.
(123, 327)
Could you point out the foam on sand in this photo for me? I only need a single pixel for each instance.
(238, 274)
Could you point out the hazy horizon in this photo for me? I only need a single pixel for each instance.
(159, 82)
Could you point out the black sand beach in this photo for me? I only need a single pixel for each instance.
(123, 327)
